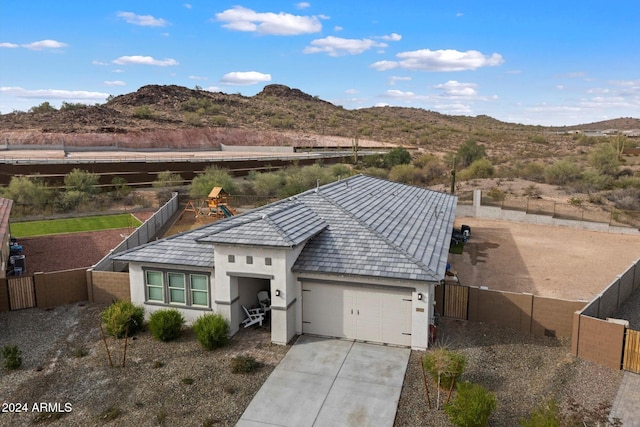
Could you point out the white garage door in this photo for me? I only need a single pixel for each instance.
(361, 313)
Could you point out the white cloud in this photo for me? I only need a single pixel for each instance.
(212, 89)
(198, 78)
(560, 87)
(9, 45)
(338, 46)
(117, 70)
(456, 108)
(45, 44)
(440, 60)
(54, 94)
(459, 14)
(188, 6)
(453, 88)
(96, 62)
(351, 91)
(142, 20)
(145, 60)
(337, 28)
(394, 79)
(393, 37)
(398, 94)
(245, 78)
(303, 5)
(115, 83)
(240, 18)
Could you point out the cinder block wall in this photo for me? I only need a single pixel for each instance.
(554, 317)
(600, 341)
(4, 295)
(60, 287)
(107, 286)
(505, 308)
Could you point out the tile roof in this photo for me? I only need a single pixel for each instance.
(358, 226)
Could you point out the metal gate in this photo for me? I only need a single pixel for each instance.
(22, 292)
(456, 301)
(631, 358)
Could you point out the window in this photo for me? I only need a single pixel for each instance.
(232, 258)
(199, 289)
(155, 287)
(177, 288)
(267, 261)
(249, 259)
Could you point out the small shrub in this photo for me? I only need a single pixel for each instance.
(543, 416)
(110, 414)
(244, 365)
(496, 194)
(212, 331)
(166, 325)
(143, 112)
(118, 315)
(187, 381)
(444, 365)
(472, 405)
(161, 417)
(12, 357)
(157, 364)
(47, 417)
(481, 168)
(80, 352)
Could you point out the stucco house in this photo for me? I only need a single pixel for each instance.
(358, 258)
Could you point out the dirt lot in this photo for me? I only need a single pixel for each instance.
(559, 262)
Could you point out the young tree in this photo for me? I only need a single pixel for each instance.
(167, 179)
(81, 181)
(29, 192)
(469, 152)
(202, 184)
(605, 159)
(397, 156)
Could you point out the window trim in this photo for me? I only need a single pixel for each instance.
(147, 298)
(187, 289)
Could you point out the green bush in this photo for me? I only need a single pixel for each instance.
(562, 172)
(481, 168)
(166, 325)
(244, 365)
(118, 315)
(212, 331)
(444, 365)
(397, 156)
(544, 416)
(472, 406)
(12, 357)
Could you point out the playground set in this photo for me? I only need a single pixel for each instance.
(216, 206)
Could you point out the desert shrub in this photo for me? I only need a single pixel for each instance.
(218, 120)
(120, 315)
(167, 179)
(212, 176)
(268, 183)
(397, 156)
(70, 200)
(625, 199)
(373, 161)
(469, 152)
(545, 415)
(405, 174)
(244, 365)
(212, 331)
(143, 112)
(481, 168)
(81, 181)
(593, 181)
(166, 325)
(12, 357)
(341, 170)
(605, 159)
(192, 119)
(532, 171)
(562, 172)
(496, 194)
(376, 172)
(444, 365)
(472, 406)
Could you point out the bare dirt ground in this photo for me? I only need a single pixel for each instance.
(558, 262)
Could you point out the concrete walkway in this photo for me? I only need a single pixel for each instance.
(331, 382)
(627, 403)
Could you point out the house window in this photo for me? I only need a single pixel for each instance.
(249, 260)
(199, 289)
(176, 288)
(232, 258)
(155, 286)
(267, 261)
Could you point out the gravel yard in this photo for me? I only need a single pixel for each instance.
(153, 389)
(524, 371)
(175, 383)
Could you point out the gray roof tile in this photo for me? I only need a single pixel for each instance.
(357, 226)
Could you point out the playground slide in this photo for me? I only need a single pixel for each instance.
(225, 210)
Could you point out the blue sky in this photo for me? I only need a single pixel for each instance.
(545, 62)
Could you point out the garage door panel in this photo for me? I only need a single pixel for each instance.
(357, 312)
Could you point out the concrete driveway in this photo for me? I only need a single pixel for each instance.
(331, 382)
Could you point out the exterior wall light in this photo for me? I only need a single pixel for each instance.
(277, 292)
(419, 297)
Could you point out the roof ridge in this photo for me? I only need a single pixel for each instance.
(398, 248)
(278, 230)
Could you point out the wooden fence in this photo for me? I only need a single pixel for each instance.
(22, 292)
(631, 359)
(456, 301)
